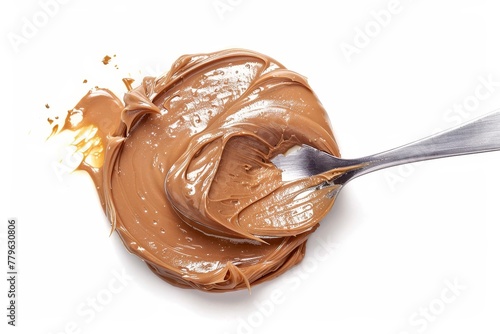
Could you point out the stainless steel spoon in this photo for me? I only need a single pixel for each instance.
(479, 135)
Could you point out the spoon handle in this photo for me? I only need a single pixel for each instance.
(479, 135)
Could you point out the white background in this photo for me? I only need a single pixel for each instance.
(392, 244)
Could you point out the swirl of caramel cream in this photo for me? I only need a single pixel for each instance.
(185, 175)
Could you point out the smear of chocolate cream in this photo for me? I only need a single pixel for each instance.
(183, 169)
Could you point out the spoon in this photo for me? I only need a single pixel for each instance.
(479, 135)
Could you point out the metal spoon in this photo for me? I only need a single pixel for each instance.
(479, 135)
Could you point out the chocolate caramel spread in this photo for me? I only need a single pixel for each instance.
(182, 167)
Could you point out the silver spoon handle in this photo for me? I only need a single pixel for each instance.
(479, 135)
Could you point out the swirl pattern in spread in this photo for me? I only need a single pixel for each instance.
(183, 169)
